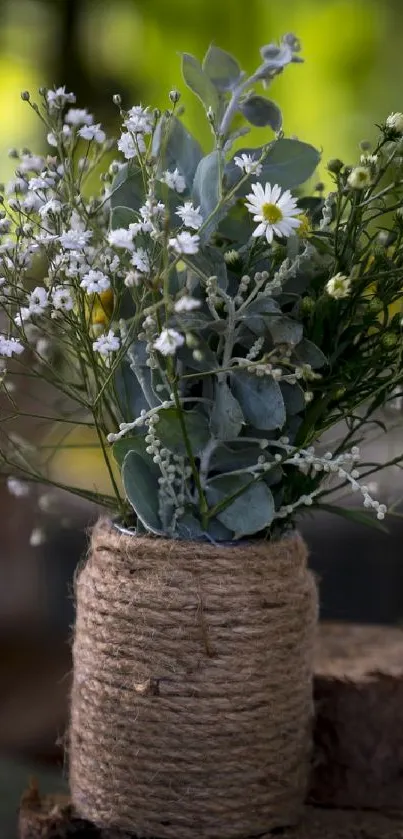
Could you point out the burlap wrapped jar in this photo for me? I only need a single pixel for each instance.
(192, 695)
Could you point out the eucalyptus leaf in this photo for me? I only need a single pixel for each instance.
(308, 353)
(122, 217)
(199, 82)
(261, 112)
(169, 430)
(175, 147)
(206, 191)
(189, 528)
(133, 443)
(226, 418)
(250, 512)
(208, 360)
(287, 163)
(260, 399)
(127, 190)
(293, 396)
(209, 262)
(284, 330)
(140, 480)
(130, 393)
(261, 306)
(138, 357)
(221, 68)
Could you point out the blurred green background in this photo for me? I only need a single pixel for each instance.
(351, 79)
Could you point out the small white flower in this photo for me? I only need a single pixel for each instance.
(92, 132)
(139, 120)
(106, 344)
(52, 139)
(17, 185)
(41, 182)
(174, 180)
(359, 178)
(339, 286)
(31, 163)
(129, 147)
(395, 122)
(59, 98)
(75, 239)
(190, 215)
(37, 537)
(141, 260)
(23, 315)
(149, 211)
(95, 282)
(10, 346)
(62, 299)
(247, 164)
(121, 238)
(168, 342)
(275, 211)
(52, 206)
(79, 116)
(185, 243)
(18, 488)
(133, 279)
(38, 301)
(32, 202)
(186, 304)
(369, 159)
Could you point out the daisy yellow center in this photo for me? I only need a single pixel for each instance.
(272, 213)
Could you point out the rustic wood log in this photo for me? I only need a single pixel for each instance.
(51, 818)
(358, 758)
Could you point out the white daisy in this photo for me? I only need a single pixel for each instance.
(190, 215)
(247, 164)
(168, 342)
(339, 286)
(185, 243)
(273, 210)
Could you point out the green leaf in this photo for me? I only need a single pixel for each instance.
(308, 353)
(189, 527)
(293, 396)
(356, 516)
(138, 357)
(140, 480)
(288, 163)
(261, 112)
(198, 81)
(250, 512)
(221, 68)
(127, 190)
(260, 399)
(206, 191)
(169, 430)
(174, 147)
(129, 444)
(129, 391)
(122, 217)
(226, 418)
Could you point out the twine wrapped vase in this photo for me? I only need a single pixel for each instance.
(192, 696)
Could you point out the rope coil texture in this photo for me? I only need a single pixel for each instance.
(192, 695)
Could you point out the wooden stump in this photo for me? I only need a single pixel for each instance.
(358, 759)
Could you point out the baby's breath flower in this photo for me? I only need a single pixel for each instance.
(75, 239)
(190, 215)
(168, 342)
(359, 177)
(94, 282)
(18, 488)
(58, 98)
(186, 304)
(247, 164)
(106, 344)
(174, 180)
(395, 122)
(79, 116)
(92, 132)
(129, 147)
(62, 299)
(133, 279)
(140, 260)
(121, 238)
(185, 243)
(338, 286)
(10, 346)
(38, 301)
(53, 206)
(139, 120)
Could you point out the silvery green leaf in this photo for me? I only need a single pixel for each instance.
(260, 399)
(174, 147)
(226, 417)
(207, 191)
(284, 330)
(294, 399)
(189, 527)
(169, 430)
(127, 188)
(122, 217)
(250, 512)
(134, 443)
(140, 480)
(138, 357)
(221, 68)
(209, 262)
(199, 82)
(235, 455)
(264, 305)
(308, 353)
(129, 391)
(207, 362)
(261, 112)
(188, 321)
(287, 163)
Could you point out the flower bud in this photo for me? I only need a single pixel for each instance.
(335, 165)
(394, 122)
(117, 99)
(174, 96)
(25, 95)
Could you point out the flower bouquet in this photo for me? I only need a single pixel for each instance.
(209, 321)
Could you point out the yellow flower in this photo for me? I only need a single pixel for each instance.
(100, 308)
(304, 231)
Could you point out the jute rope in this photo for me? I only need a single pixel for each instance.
(192, 701)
